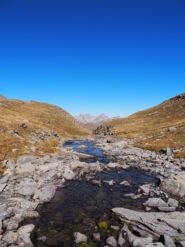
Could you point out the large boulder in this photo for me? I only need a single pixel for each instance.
(174, 186)
(24, 235)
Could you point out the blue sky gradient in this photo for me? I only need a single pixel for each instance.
(95, 56)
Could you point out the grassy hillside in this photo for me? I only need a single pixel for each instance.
(34, 128)
(155, 128)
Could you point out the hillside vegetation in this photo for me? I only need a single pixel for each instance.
(155, 128)
(34, 128)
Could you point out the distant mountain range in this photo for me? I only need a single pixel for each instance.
(88, 118)
(92, 122)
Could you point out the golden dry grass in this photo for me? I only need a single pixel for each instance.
(16, 141)
(180, 154)
(152, 128)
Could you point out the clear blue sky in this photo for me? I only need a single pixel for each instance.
(95, 56)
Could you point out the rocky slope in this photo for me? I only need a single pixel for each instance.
(34, 128)
(155, 128)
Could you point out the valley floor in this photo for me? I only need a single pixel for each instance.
(33, 181)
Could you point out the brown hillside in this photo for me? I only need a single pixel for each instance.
(155, 128)
(2, 97)
(34, 128)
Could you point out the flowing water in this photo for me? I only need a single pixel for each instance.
(88, 147)
(80, 206)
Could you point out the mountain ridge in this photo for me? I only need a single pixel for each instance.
(155, 128)
(30, 127)
(91, 122)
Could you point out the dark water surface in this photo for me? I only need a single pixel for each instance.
(81, 205)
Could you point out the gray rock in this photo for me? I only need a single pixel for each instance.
(154, 223)
(169, 152)
(97, 237)
(125, 183)
(4, 179)
(25, 169)
(26, 159)
(27, 187)
(135, 240)
(168, 241)
(145, 188)
(175, 186)
(10, 237)
(1, 227)
(155, 203)
(155, 245)
(111, 241)
(167, 209)
(135, 197)
(48, 167)
(172, 129)
(182, 244)
(2, 186)
(130, 195)
(3, 244)
(10, 167)
(173, 203)
(113, 165)
(142, 242)
(97, 182)
(80, 238)
(46, 193)
(4, 212)
(23, 203)
(24, 235)
(68, 174)
(12, 223)
(110, 183)
(115, 228)
(121, 240)
(30, 214)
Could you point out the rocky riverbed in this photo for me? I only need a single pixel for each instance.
(157, 219)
